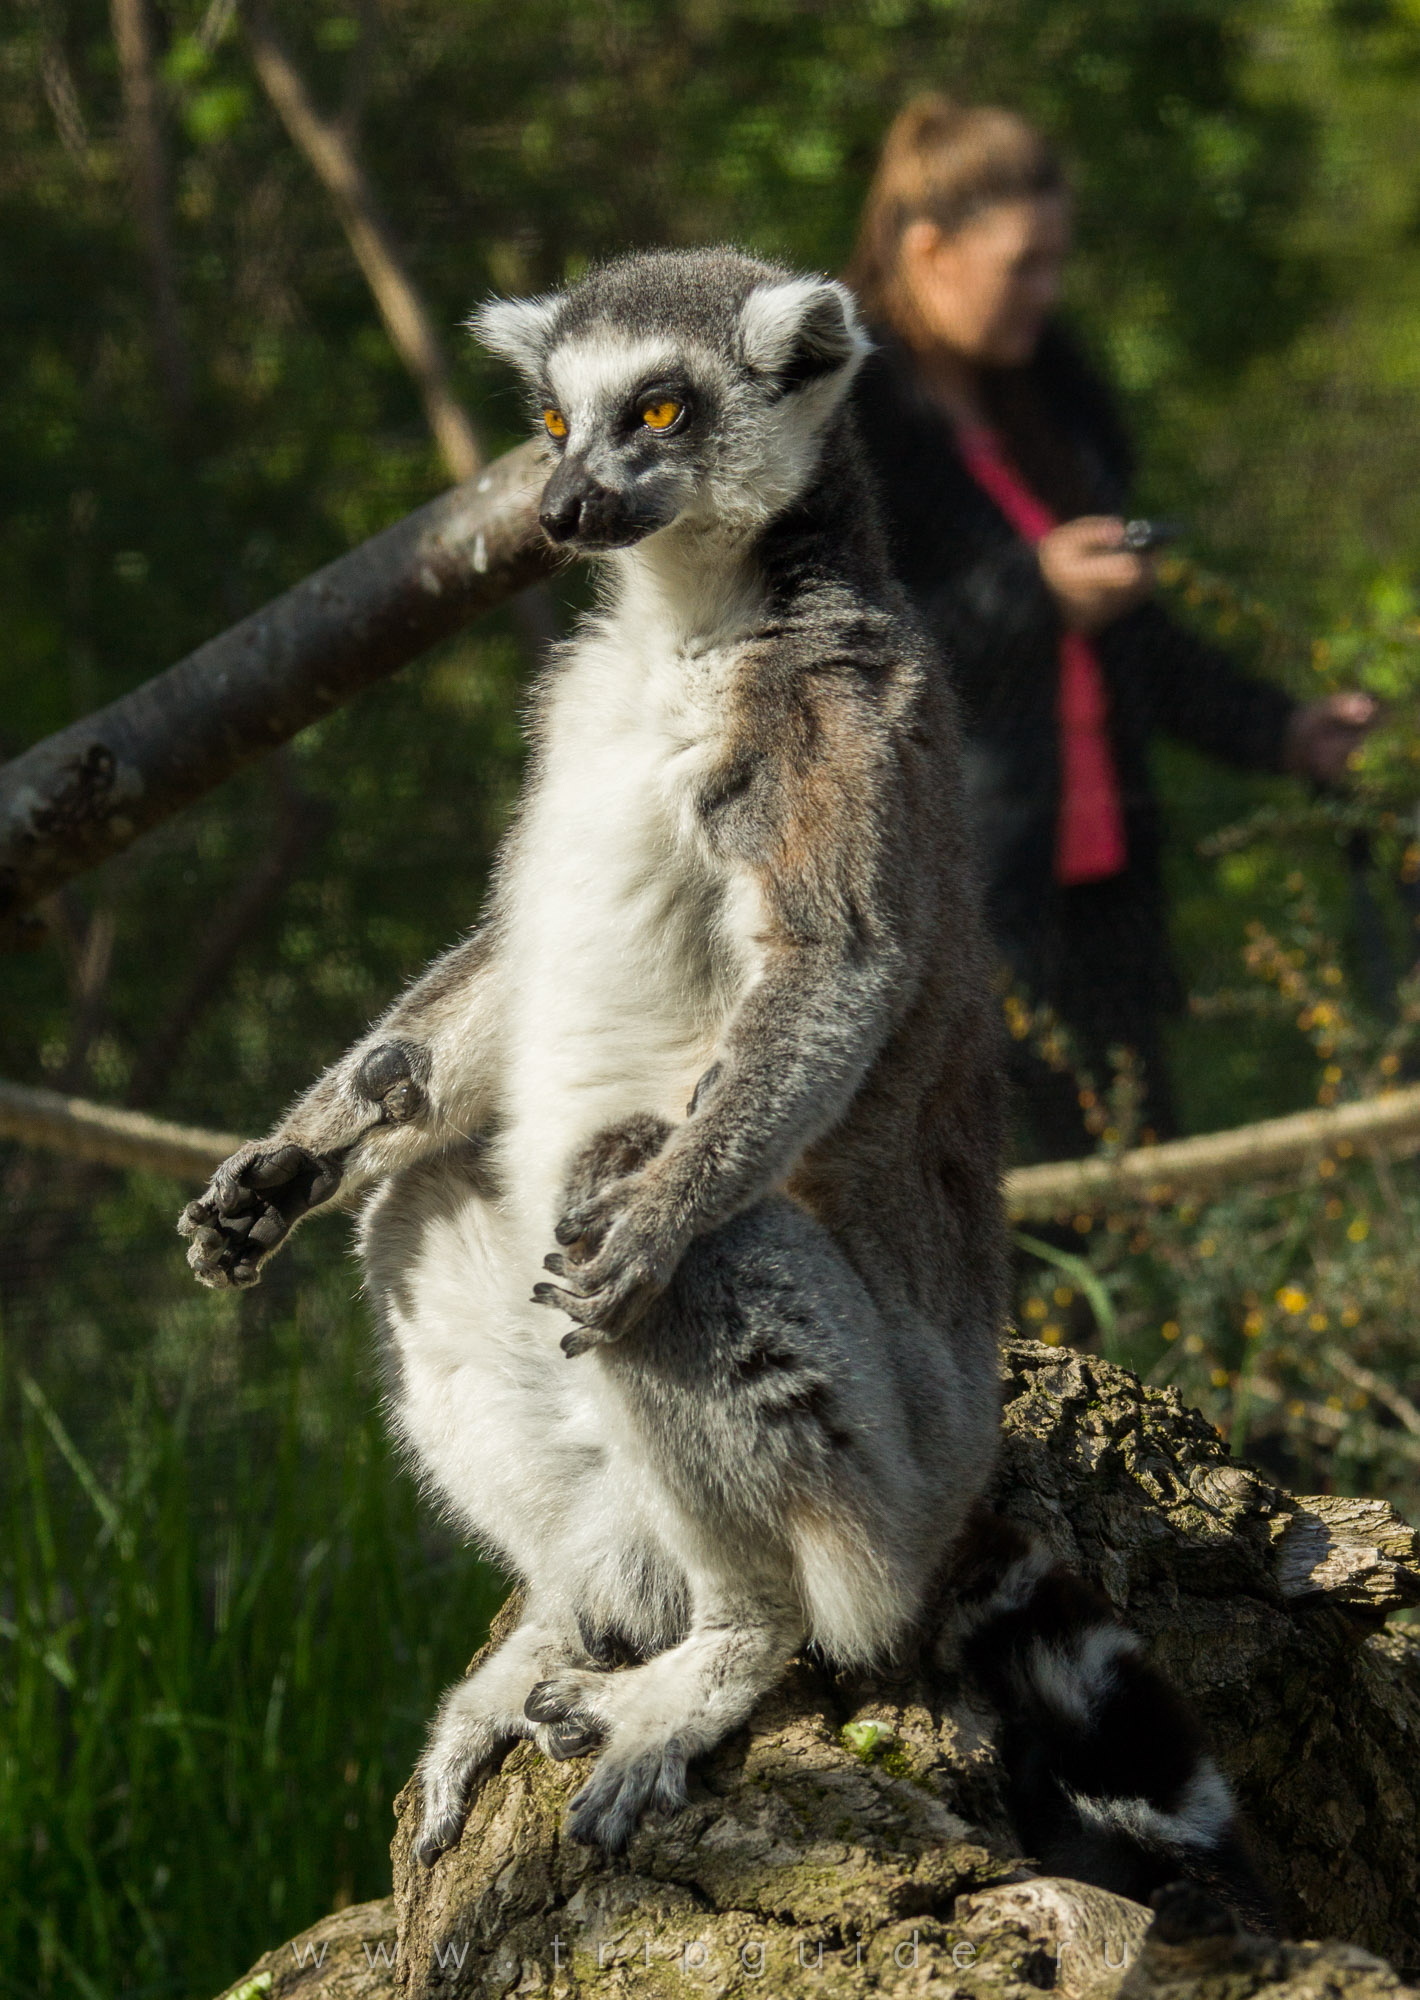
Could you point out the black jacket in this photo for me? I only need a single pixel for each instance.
(979, 588)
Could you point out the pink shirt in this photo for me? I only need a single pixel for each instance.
(1089, 835)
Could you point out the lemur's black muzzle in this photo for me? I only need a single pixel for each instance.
(578, 508)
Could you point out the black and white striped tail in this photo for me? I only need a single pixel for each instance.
(1110, 1777)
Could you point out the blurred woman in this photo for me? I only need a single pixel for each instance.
(1004, 472)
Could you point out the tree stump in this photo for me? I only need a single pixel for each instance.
(852, 1840)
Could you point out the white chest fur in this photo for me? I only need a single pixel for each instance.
(632, 938)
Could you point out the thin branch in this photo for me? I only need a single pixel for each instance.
(62, 96)
(1365, 1379)
(328, 148)
(93, 962)
(1273, 1148)
(148, 169)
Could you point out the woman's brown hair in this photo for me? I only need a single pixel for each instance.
(946, 163)
(943, 163)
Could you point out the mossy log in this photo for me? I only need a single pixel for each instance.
(853, 1839)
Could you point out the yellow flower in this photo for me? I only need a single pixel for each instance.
(1331, 1074)
(1220, 1378)
(1317, 1322)
(1292, 1299)
(1207, 1247)
(1253, 1324)
(1358, 1230)
(1169, 1329)
(1390, 1063)
(1350, 1316)
(1050, 1335)
(1035, 1308)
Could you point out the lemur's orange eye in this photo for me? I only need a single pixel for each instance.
(556, 423)
(660, 416)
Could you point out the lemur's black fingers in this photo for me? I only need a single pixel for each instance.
(551, 1701)
(555, 1262)
(572, 1739)
(197, 1221)
(582, 1339)
(233, 1196)
(587, 1223)
(268, 1230)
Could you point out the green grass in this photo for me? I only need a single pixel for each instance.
(225, 1616)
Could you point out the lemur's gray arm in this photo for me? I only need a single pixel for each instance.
(791, 1058)
(420, 1079)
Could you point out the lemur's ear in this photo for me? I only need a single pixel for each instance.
(800, 329)
(517, 329)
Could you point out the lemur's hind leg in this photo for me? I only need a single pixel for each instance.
(656, 1718)
(1110, 1778)
(754, 1393)
(481, 1716)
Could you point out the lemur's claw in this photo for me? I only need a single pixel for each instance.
(606, 1811)
(581, 1340)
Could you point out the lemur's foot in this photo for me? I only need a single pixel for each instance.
(463, 1746)
(630, 1779)
(565, 1727)
(641, 1769)
(254, 1201)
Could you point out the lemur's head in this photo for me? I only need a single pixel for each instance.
(678, 385)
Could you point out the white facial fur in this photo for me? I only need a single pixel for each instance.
(759, 449)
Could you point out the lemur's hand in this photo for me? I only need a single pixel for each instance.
(619, 1256)
(254, 1201)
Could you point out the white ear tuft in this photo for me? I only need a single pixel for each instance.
(801, 328)
(517, 329)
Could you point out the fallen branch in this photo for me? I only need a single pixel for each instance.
(1269, 1150)
(109, 1136)
(87, 792)
(1153, 1174)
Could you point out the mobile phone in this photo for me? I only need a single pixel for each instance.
(1141, 536)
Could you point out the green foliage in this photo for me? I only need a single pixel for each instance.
(220, 1594)
(227, 1619)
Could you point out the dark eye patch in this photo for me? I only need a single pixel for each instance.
(660, 389)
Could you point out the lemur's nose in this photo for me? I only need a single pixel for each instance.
(560, 516)
(575, 504)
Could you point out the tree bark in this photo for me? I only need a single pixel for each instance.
(864, 1816)
(87, 792)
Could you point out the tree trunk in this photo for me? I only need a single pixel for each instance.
(87, 792)
(862, 1817)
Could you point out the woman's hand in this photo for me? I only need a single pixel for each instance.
(1322, 735)
(1093, 578)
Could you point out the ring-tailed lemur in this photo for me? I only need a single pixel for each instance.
(728, 1039)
